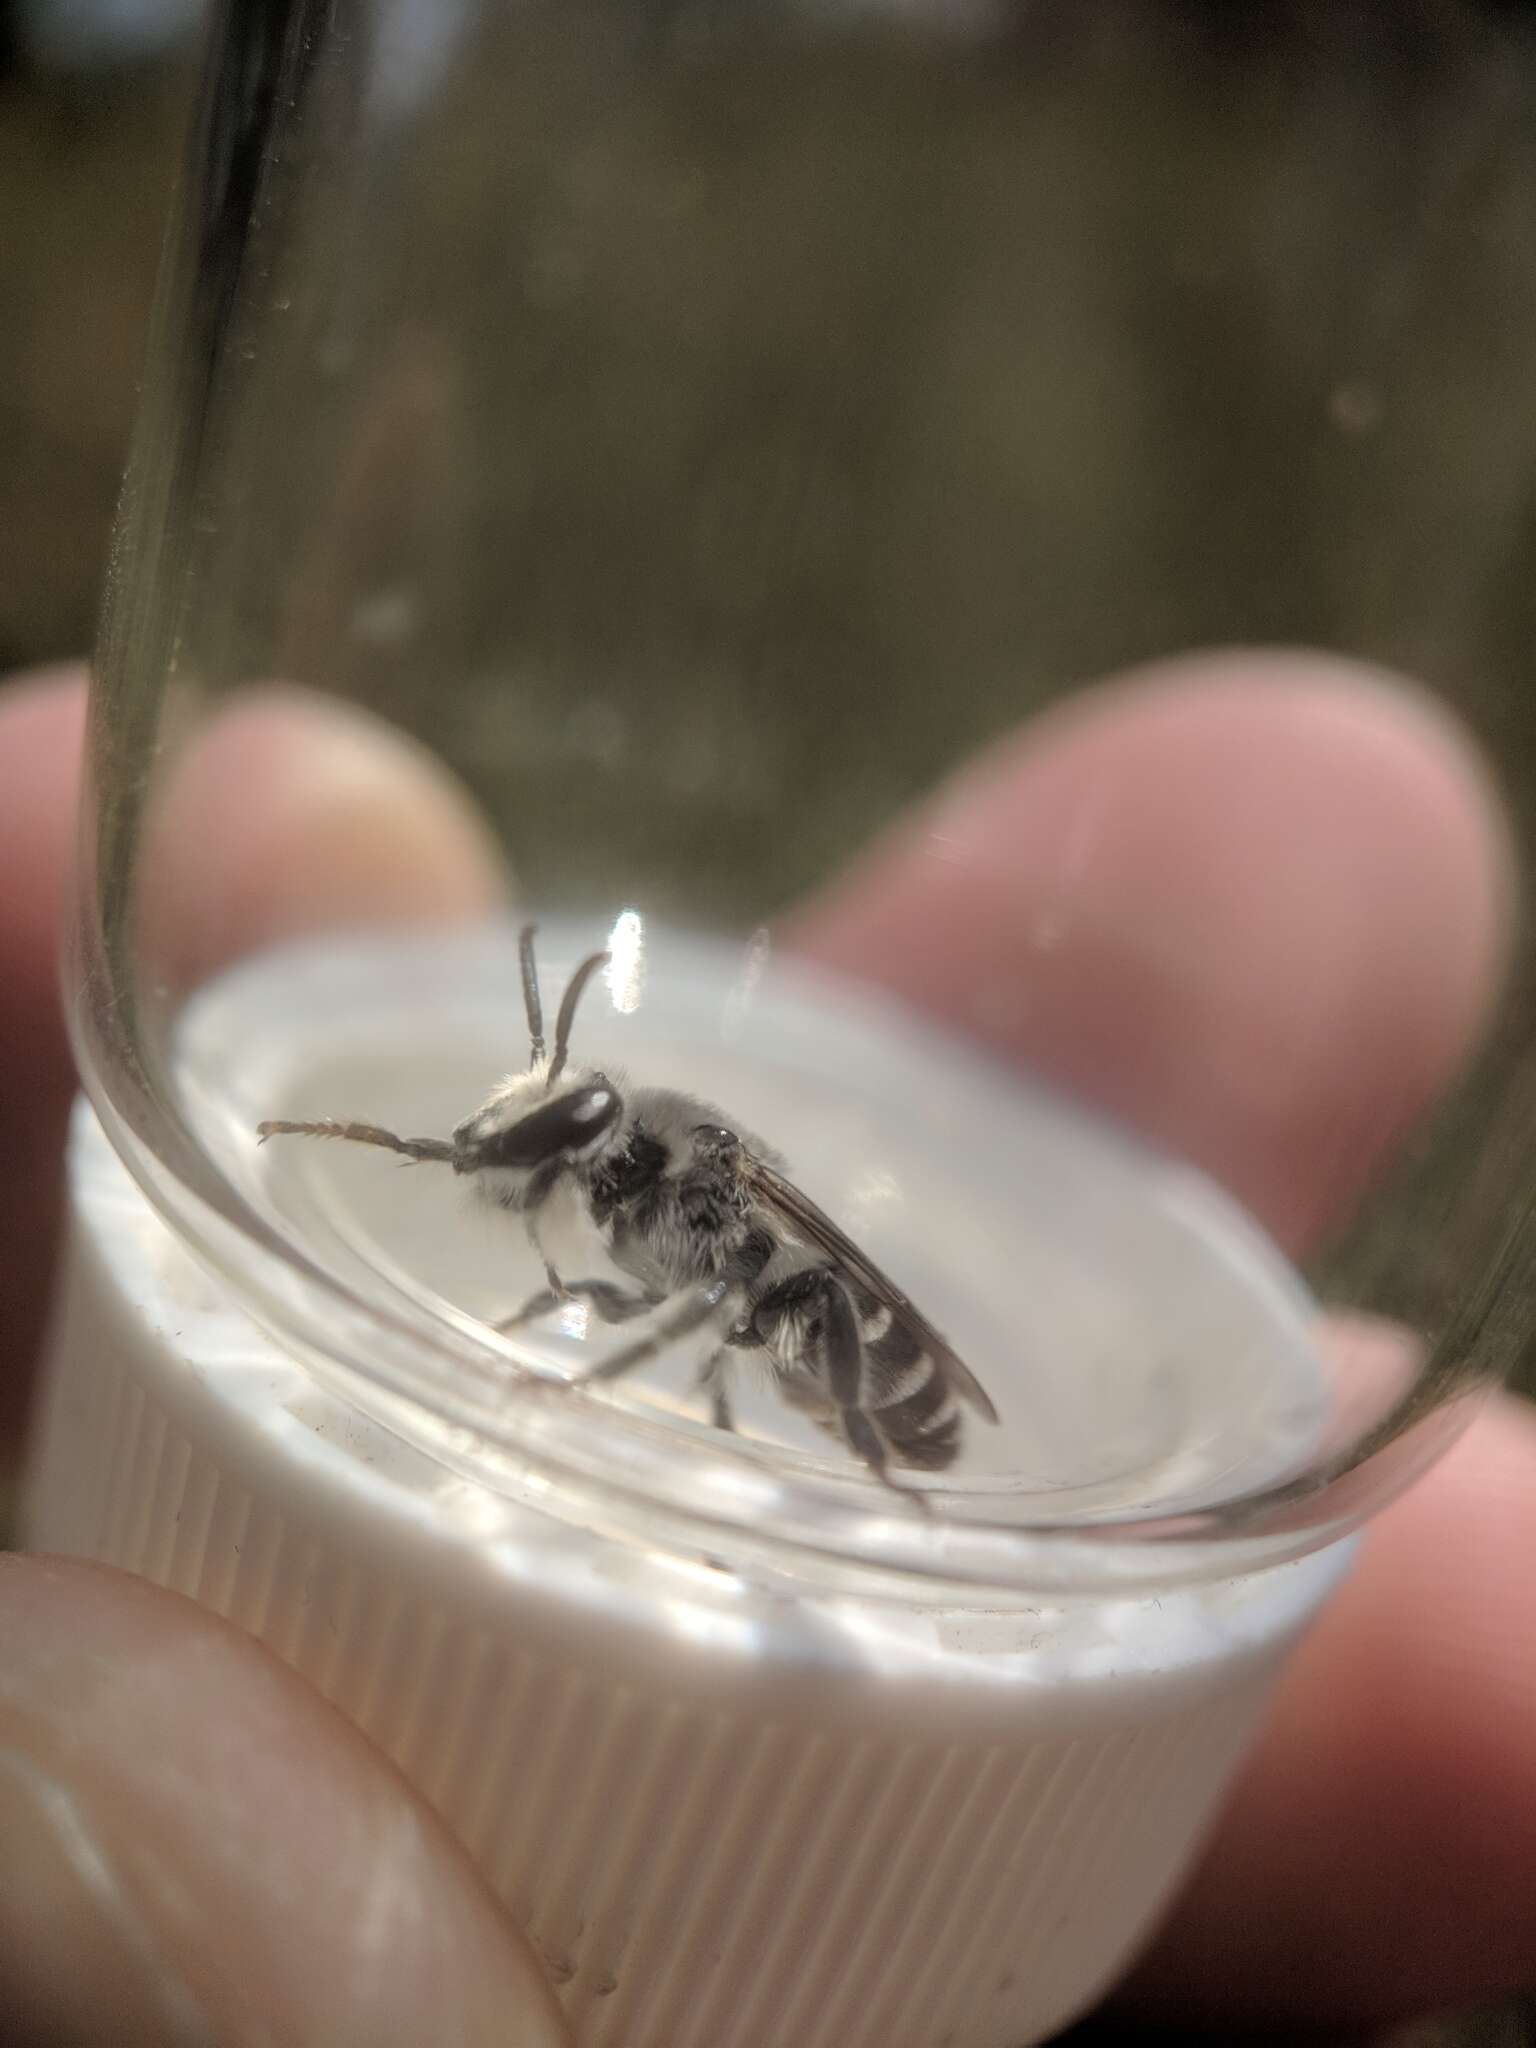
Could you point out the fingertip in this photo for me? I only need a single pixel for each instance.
(293, 813)
(42, 717)
(41, 721)
(286, 814)
(220, 1855)
(1257, 903)
(1375, 1858)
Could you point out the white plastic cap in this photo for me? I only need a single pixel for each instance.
(728, 1816)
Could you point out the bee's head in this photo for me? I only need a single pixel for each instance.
(527, 1127)
(550, 1117)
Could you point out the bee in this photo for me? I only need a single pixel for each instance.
(699, 1219)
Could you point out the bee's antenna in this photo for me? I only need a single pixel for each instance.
(358, 1134)
(533, 1008)
(568, 1002)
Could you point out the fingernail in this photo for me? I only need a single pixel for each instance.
(76, 1956)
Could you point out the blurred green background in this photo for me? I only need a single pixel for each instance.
(1240, 350)
(1277, 383)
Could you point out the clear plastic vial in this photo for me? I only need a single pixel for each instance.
(544, 378)
(730, 1726)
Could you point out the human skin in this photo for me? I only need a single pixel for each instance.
(1259, 905)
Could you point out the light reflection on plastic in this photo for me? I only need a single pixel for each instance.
(693, 1622)
(744, 989)
(625, 971)
(874, 1190)
(477, 1512)
(573, 1320)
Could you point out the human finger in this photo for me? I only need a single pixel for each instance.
(1256, 904)
(40, 724)
(195, 1848)
(291, 813)
(1259, 906)
(1378, 1857)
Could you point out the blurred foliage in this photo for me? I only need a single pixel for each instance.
(1216, 326)
(599, 468)
(86, 172)
(1207, 334)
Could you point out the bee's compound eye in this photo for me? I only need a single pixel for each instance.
(569, 1126)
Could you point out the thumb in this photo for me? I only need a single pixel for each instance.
(194, 1848)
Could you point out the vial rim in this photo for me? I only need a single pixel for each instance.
(579, 1456)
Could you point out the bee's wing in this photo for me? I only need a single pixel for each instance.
(815, 1227)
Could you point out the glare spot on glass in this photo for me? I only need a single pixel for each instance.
(874, 1190)
(386, 618)
(625, 971)
(573, 1320)
(476, 1511)
(744, 989)
(1355, 408)
(693, 1622)
(415, 43)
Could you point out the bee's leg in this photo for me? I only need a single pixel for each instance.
(535, 1306)
(554, 1285)
(611, 1303)
(712, 1379)
(809, 1320)
(704, 1305)
(614, 1304)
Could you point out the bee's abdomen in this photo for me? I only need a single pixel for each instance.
(908, 1398)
